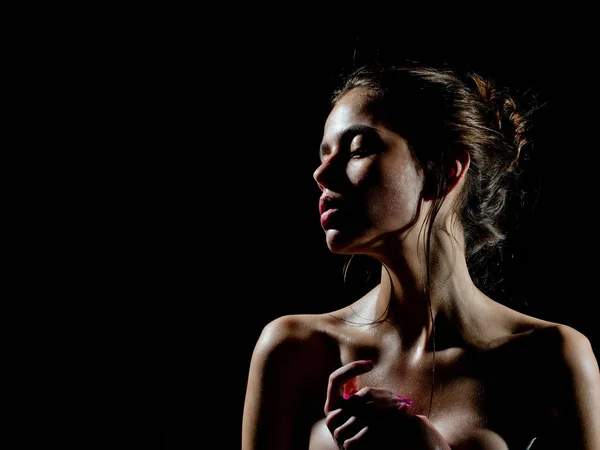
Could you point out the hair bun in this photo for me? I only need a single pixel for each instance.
(509, 118)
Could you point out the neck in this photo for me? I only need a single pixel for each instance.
(413, 300)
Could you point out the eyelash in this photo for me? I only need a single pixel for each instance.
(362, 152)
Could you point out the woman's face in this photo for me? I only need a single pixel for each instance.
(371, 183)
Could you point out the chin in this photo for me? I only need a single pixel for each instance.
(341, 243)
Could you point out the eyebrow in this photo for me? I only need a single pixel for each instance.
(348, 133)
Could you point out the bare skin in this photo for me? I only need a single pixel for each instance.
(505, 387)
(501, 378)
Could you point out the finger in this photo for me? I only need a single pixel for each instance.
(406, 400)
(355, 441)
(340, 377)
(351, 387)
(349, 430)
(336, 419)
(375, 405)
(382, 399)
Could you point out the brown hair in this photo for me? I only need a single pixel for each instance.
(439, 111)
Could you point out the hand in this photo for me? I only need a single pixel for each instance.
(374, 418)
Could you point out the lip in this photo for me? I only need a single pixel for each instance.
(327, 216)
(327, 202)
(329, 206)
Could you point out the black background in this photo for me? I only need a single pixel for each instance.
(191, 220)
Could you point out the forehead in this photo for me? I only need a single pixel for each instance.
(353, 108)
(354, 114)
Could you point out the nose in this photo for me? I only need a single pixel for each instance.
(325, 174)
(317, 176)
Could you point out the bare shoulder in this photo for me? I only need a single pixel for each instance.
(297, 348)
(563, 342)
(556, 349)
(292, 326)
(552, 366)
(290, 359)
(574, 354)
(302, 333)
(565, 365)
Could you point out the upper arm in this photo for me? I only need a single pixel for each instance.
(578, 391)
(279, 371)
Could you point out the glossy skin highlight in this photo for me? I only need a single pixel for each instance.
(339, 380)
(372, 172)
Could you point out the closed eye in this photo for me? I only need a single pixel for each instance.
(362, 152)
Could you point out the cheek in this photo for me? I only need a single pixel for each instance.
(389, 193)
(362, 174)
(396, 200)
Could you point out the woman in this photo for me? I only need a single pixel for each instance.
(417, 166)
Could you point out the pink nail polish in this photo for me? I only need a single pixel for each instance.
(406, 400)
(346, 396)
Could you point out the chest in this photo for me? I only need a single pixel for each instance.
(470, 398)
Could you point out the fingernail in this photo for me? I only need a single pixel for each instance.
(406, 400)
(346, 396)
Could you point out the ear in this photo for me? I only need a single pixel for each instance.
(456, 165)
